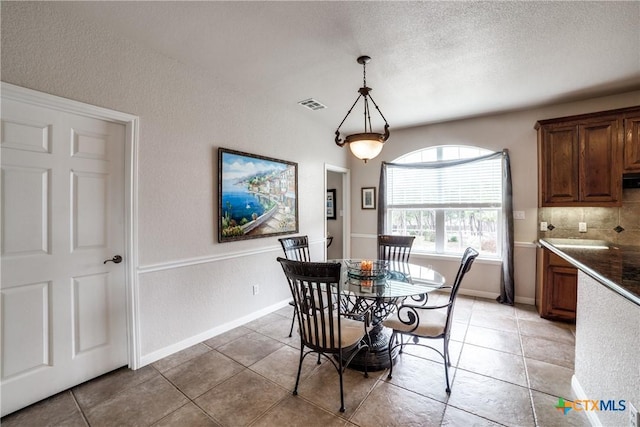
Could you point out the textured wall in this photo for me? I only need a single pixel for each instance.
(185, 114)
(607, 362)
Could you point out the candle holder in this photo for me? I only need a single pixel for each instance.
(367, 269)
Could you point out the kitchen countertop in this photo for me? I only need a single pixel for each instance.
(615, 266)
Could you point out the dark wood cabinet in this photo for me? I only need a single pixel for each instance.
(632, 142)
(556, 287)
(580, 161)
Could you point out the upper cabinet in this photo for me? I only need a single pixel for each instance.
(632, 142)
(581, 158)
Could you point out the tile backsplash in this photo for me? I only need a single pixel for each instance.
(601, 222)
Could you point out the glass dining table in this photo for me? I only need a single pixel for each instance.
(378, 294)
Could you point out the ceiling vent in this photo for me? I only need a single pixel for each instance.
(312, 104)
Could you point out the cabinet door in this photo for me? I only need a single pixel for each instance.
(600, 162)
(558, 146)
(632, 144)
(562, 292)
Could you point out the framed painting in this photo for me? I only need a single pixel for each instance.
(257, 196)
(331, 204)
(368, 198)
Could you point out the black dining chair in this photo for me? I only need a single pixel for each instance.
(324, 328)
(295, 248)
(394, 248)
(429, 322)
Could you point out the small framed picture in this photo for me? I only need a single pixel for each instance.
(368, 197)
(331, 204)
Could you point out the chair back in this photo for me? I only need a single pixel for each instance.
(395, 248)
(468, 257)
(296, 248)
(314, 287)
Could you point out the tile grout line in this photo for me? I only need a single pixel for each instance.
(526, 371)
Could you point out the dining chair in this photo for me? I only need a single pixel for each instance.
(394, 248)
(295, 248)
(430, 322)
(324, 328)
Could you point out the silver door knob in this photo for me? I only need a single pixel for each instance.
(116, 259)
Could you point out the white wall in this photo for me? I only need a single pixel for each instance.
(513, 131)
(185, 115)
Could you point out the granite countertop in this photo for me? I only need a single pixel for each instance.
(615, 266)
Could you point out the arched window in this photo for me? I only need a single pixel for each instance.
(446, 208)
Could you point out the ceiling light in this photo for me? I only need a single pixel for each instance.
(368, 144)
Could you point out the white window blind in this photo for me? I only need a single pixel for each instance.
(476, 184)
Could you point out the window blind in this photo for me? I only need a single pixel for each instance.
(476, 184)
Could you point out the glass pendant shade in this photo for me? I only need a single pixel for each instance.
(365, 146)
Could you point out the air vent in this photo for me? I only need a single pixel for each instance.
(312, 104)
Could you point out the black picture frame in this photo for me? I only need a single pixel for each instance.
(331, 204)
(256, 195)
(368, 198)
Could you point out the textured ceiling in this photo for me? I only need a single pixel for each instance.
(431, 61)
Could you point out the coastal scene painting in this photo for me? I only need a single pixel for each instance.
(258, 196)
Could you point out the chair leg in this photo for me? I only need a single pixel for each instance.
(447, 363)
(295, 389)
(293, 321)
(342, 409)
(393, 335)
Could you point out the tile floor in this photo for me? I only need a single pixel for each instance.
(510, 367)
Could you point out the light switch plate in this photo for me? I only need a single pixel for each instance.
(543, 226)
(582, 227)
(518, 214)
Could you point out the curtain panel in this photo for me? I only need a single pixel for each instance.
(507, 285)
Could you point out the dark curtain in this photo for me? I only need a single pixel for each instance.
(507, 285)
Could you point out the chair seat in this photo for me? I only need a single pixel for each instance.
(431, 322)
(352, 332)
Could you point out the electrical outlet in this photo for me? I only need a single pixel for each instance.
(543, 226)
(256, 289)
(634, 417)
(582, 227)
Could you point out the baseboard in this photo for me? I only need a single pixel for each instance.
(196, 339)
(493, 296)
(581, 395)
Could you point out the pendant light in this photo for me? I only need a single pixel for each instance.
(368, 144)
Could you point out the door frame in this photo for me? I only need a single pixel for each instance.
(345, 203)
(131, 124)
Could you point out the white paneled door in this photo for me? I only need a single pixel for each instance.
(63, 308)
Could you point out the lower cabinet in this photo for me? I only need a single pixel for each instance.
(556, 287)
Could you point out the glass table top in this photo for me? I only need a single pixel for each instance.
(400, 280)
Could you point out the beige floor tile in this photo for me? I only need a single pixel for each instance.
(241, 399)
(554, 352)
(556, 331)
(494, 339)
(527, 312)
(497, 364)
(141, 405)
(549, 416)
(454, 417)
(227, 337)
(250, 348)
(281, 366)
(492, 320)
(549, 378)
(493, 306)
(422, 376)
(279, 330)
(294, 411)
(48, 412)
(389, 405)
(106, 386)
(202, 373)
(263, 321)
(323, 389)
(180, 357)
(496, 400)
(188, 415)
